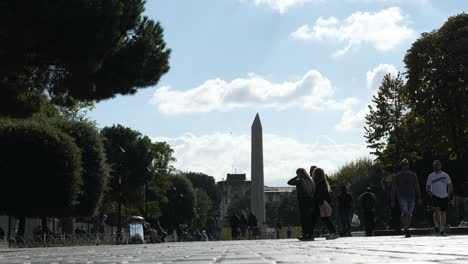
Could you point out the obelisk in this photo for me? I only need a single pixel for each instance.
(257, 194)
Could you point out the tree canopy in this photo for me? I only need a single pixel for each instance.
(437, 72)
(40, 169)
(76, 50)
(130, 161)
(94, 162)
(426, 117)
(180, 208)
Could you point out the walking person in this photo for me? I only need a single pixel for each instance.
(345, 208)
(322, 199)
(243, 225)
(439, 187)
(406, 188)
(367, 201)
(305, 189)
(234, 221)
(252, 222)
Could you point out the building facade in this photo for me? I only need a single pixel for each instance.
(236, 192)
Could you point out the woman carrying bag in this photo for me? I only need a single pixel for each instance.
(322, 202)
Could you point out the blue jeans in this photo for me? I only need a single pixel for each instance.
(406, 204)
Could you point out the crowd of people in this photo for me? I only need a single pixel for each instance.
(314, 201)
(243, 227)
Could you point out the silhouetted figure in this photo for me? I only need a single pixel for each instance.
(322, 195)
(211, 227)
(253, 229)
(278, 229)
(367, 202)
(234, 221)
(305, 189)
(243, 225)
(345, 209)
(289, 231)
(406, 188)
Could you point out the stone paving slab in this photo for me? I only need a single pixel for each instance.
(382, 250)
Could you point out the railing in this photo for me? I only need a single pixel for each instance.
(59, 240)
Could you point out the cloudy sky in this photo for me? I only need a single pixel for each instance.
(308, 67)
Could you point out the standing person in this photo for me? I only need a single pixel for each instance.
(279, 227)
(305, 189)
(440, 188)
(211, 227)
(406, 188)
(322, 195)
(243, 225)
(289, 231)
(345, 209)
(234, 221)
(252, 222)
(367, 201)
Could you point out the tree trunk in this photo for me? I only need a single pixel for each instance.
(21, 226)
(45, 228)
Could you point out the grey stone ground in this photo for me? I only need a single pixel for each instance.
(418, 250)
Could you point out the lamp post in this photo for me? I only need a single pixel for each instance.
(119, 211)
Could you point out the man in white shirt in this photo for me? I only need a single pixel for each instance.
(440, 188)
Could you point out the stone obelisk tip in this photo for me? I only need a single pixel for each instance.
(257, 121)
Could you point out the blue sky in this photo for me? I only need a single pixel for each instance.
(308, 67)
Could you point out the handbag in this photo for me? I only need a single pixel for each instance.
(355, 222)
(325, 209)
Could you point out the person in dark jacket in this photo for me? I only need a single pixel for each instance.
(305, 189)
(234, 221)
(345, 207)
(367, 201)
(252, 222)
(243, 225)
(322, 195)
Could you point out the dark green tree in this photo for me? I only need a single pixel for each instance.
(130, 159)
(76, 50)
(180, 208)
(437, 72)
(208, 184)
(41, 167)
(240, 205)
(158, 179)
(95, 167)
(288, 210)
(384, 132)
(272, 213)
(203, 206)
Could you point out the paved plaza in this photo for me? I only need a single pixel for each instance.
(418, 250)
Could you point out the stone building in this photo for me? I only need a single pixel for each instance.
(237, 189)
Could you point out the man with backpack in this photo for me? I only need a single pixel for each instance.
(367, 202)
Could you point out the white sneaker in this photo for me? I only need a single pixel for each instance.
(333, 236)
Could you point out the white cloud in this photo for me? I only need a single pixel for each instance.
(375, 76)
(312, 91)
(384, 30)
(215, 154)
(355, 120)
(282, 6)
